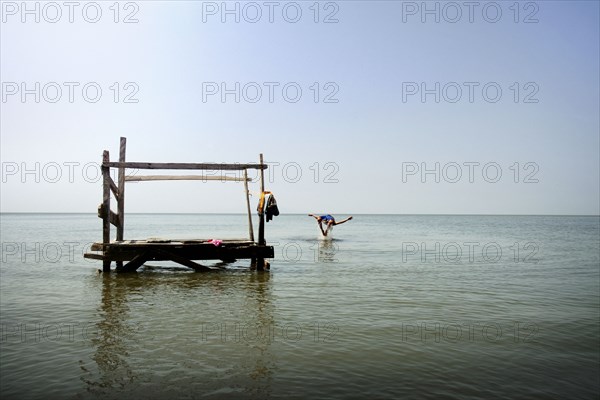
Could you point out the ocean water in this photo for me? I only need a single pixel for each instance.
(424, 307)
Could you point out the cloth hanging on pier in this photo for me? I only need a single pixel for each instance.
(261, 203)
(272, 209)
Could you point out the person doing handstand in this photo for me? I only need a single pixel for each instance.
(329, 220)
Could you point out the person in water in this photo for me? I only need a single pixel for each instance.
(329, 220)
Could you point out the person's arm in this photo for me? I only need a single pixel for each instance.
(344, 220)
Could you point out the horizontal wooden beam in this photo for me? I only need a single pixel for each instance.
(204, 166)
(93, 256)
(140, 178)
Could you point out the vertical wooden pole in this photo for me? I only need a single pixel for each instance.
(250, 226)
(121, 187)
(105, 206)
(261, 213)
(260, 262)
(121, 196)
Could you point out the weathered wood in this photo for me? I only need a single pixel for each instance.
(261, 212)
(93, 256)
(142, 178)
(121, 188)
(261, 225)
(126, 251)
(136, 253)
(229, 243)
(114, 218)
(105, 206)
(135, 263)
(250, 226)
(113, 187)
(199, 166)
(181, 260)
(106, 265)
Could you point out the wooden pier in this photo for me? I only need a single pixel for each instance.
(129, 255)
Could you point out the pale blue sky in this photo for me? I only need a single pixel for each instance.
(368, 136)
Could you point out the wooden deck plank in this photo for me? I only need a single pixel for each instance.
(169, 243)
(128, 250)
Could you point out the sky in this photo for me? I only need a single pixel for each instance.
(387, 107)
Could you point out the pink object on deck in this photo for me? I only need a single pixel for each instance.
(216, 242)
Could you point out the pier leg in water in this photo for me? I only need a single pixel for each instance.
(260, 264)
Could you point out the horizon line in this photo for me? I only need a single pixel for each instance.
(298, 213)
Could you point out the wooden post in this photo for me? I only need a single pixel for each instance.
(260, 262)
(250, 226)
(121, 196)
(261, 213)
(105, 206)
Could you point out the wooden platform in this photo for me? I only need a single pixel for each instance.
(185, 251)
(181, 251)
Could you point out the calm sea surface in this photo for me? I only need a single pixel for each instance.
(463, 307)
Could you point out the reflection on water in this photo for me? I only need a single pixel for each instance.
(328, 250)
(259, 301)
(216, 340)
(109, 339)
